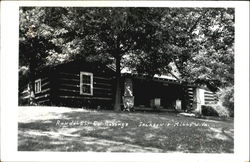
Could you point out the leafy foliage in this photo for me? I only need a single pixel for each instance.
(194, 44)
(227, 99)
(212, 61)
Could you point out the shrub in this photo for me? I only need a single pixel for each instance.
(209, 111)
(227, 99)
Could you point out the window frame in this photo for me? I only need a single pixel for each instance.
(39, 81)
(90, 84)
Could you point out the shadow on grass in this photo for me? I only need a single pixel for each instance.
(142, 134)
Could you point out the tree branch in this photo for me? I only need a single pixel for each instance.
(195, 23)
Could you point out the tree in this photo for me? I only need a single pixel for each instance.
(200, 44)
(205, 48)
(34, 45)
(197, 43)
(104, 34)
(108, 34)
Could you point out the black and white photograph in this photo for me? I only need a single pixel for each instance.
(132, 79)
(126, 79)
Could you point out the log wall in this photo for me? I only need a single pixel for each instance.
(66, 87)
(43, 97)
(210, 97)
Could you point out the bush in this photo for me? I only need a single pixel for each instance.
(214, 109)
(224, 107)
(227, 99)
(209, 111)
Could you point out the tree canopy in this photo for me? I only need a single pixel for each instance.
(192, 44)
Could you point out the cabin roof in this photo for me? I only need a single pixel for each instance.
(126, 72)
(159, 78)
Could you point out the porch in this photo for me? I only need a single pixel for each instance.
(153, 94)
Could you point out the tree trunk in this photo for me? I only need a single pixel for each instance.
(185, 98)
(32, 83)
(117, 105)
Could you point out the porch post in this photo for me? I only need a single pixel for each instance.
(197, 101)
(128, 98)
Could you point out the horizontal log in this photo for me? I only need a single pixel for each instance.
(43, 96)
(78, 75)
(101, 93)
(209, 99)
(208, 103)
(209, 96)
(24, 94)
(104, 84)
(70, 85)
(95, 77)
(43, 91)
(209, 92)
(83, 97)
(67, 79)
(43, 79)
(26, 97)
(25, 91)
(95, 93)
(43, 101)
(44, 84)
(69, 74)
(69, 90)
(78, 85)
(105, 89)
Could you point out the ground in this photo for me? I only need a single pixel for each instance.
(66, 129)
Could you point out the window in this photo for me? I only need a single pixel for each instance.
(86, 83)
(38, 86)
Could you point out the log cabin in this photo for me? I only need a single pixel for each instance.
(92, 85)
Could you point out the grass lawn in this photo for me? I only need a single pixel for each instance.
(65, 129)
